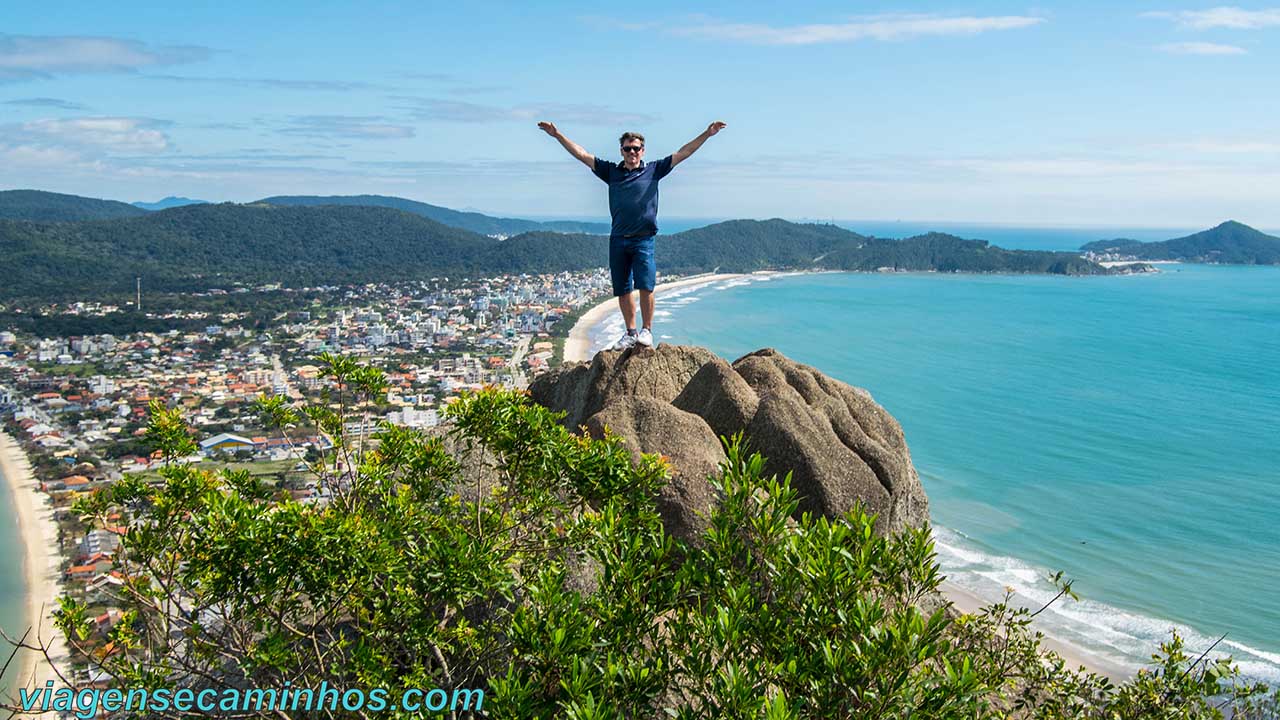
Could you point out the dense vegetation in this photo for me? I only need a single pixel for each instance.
(512, 557)
(1231, 243)
(473, 221)
(41, 206)
(198, 247)
(747, 245)
(202, 246)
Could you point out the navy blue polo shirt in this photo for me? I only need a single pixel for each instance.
(633, 196)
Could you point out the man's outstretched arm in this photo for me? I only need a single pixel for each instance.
(692, 146)
(574, 148)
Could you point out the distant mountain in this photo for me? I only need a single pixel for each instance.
(473, 221)
(169, 202)
(1229, 243)
(41, 206)
(196, 247)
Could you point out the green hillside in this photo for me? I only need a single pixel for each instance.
(747, 245)
(1229, 243)
(473, 221)
(202, 246)
(41, 206)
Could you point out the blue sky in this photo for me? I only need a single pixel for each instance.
(1082, 113)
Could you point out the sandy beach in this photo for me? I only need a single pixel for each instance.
(1075, 657)
(42, 563)
(577, 348)
(1121, 263)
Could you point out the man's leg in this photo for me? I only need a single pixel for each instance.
(646, 308)
(620, 275)
(645, 273)
(628, 307)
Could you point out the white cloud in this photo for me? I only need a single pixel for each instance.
(27, 57)
(363, 127)
(1201, 48)
(1063, 167)
(1222, 17)
(273, 83)
(877, 27)
(467, 112)
(99, 133)
(1223, 146)
(23, 156)
(47, 102)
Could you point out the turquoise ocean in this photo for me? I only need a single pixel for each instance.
(1120, 429)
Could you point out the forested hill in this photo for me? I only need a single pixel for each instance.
(41, 206)
(746, 245)
(204, 246)
(1231, 243)
(473, 221)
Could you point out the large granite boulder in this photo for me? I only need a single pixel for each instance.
(582, 390)
(842, 448)
(646, 425)
(719, 395)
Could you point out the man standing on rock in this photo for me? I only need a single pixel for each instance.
(633, 203)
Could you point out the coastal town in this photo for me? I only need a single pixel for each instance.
(75, 408)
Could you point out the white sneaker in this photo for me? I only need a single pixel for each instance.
(645, 338)
(624, 342)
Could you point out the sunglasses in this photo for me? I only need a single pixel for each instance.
(632, 148)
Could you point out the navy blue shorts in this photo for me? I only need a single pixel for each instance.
(631, 264)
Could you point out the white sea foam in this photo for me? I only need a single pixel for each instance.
(606, 331)
(1120, 636)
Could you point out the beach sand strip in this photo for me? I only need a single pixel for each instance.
(42, 564)
(577, 348)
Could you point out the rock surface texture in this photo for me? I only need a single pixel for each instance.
(840, 446)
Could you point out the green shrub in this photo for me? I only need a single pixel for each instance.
(513, 556)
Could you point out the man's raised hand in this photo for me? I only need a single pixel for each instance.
(550, 128)
(715, 127)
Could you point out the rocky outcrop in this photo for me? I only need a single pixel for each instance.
(582, 390)
(647, 425)
(841, 447)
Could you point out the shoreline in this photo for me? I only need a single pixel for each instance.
(1122, 263)
(967, 601)
(42, 564)
(577, 347)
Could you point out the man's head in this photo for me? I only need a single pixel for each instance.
(632, 146)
